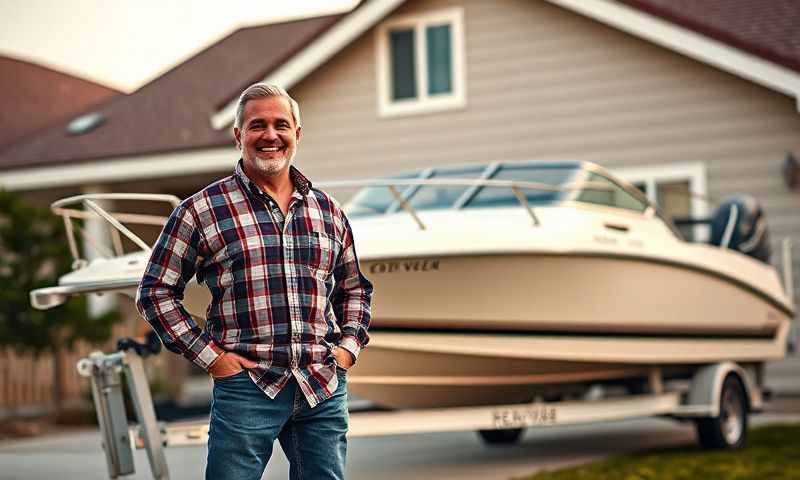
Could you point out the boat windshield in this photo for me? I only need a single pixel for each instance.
(554, 175)
(429, 197)
(377, 200)
(567, 178)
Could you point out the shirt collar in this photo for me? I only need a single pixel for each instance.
(302, 185)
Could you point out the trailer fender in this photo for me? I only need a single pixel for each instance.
(703, 398)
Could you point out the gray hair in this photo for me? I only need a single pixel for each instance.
(264, 90)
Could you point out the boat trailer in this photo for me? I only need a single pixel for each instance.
(702, 399)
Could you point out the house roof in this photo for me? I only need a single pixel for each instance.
(35, 97)
(186, 109)
(766, 28)
(172, 112)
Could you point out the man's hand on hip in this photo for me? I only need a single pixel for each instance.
(229, 364)
(343, 358)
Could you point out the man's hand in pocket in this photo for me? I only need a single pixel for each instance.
(229, 364)
(343, 358)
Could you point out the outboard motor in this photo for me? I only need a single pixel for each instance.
(739, 224)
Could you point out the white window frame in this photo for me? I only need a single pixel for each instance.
(387, 107)
(693, 172)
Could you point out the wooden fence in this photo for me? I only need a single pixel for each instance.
(26, 382)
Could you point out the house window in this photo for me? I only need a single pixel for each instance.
(420, 61)
(679, 190)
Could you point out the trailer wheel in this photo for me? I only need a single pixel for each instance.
(503, 436)
(729, 430)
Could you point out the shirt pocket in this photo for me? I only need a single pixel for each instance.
(317, 251)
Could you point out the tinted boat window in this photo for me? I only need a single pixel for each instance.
(376, 200)
(434, 196)
(499, 197)
(615, 196)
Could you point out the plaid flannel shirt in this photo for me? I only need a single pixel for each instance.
(284, 294)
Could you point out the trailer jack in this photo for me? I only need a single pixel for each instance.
(107, 373)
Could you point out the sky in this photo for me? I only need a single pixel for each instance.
(124, 44)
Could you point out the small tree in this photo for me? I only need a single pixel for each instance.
(33, 254)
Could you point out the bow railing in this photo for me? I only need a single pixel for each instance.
(93, 209)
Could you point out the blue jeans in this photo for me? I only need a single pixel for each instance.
(245, 423)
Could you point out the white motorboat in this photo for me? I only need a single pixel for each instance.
(499, 283)
(508, 282)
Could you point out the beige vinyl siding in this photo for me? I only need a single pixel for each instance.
(545, 83)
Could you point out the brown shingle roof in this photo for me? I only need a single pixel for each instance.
(769, 29)
(172, 112)
(35, 97)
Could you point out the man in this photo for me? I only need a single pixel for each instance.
(290, 308)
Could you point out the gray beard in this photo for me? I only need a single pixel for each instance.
(270, 168)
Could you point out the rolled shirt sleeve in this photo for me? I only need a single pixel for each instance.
(351, 297)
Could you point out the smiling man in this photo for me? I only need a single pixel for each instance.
(290, 308)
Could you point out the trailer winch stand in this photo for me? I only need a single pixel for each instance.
(106, 372)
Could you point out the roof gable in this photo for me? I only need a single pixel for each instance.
(355, 23)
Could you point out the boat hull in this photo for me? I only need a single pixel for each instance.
(421, 370)
(430, 379)
(494, 329)
(566, 293)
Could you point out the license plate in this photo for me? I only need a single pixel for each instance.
(524, 416)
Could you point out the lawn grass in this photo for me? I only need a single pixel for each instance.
(772, 453)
